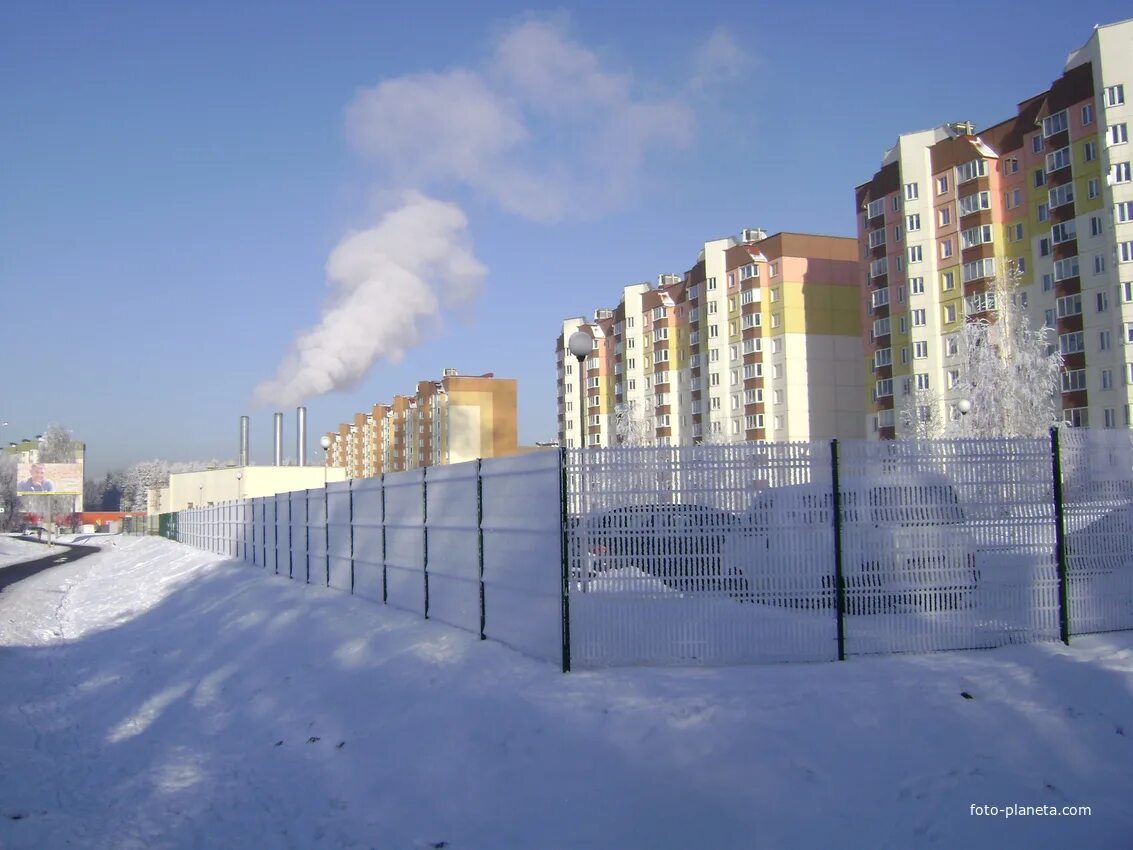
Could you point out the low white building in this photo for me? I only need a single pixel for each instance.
(213, 486)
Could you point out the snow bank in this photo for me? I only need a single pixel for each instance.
(158, 698)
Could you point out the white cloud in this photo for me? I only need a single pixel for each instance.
(719, 60)
(544, 128)
(388, 284)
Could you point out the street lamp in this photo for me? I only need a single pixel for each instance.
(963, 405)
(581, 344)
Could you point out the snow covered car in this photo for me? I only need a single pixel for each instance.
(904, 546)
(679, 544)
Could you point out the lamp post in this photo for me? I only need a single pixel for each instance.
(964, 407)
(581, 344)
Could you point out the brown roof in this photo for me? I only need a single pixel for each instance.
(1009, 135)
(814, 246)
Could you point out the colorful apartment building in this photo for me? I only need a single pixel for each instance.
(759, 340)
(455, 419)
(1047, 193)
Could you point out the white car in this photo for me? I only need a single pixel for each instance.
(903, 543)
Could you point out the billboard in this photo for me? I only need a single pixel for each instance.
(61, 479)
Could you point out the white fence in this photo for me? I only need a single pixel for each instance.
(725, 554)
(476, 545)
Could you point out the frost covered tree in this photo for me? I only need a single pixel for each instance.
(920, 416)
(633, 426)
(1010, 371)
(9, 501)
(141, 477)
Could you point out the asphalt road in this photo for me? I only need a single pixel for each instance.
(60, 553)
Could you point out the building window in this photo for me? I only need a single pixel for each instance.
(946, 249)
(975, 236)
(915, 254)
(918, 318)
(1064, 231)
(1044, 247)
(1093, 187)
(971, 170)
(1125, 252)
(1120, 172)
(1037, 144)
(1042, 212)
(1060, 195)
(1048, 282)
(1076, 418)
(1095, 225)
(1101, 301)
(1069, 305)
(875, 208)
(1107, 379)
(1058, 160)
(1015, 232)
(1073, 380)
(1118, 135)
(1039, 177)
(945, 216)
(1099, 264)
(1123, 211)
(948, 281)
(1114, 95)
(1065, 269)
(922, 380)
(913, 222)
(920, 350)
(942, 184)
(1010, 165)
(1071, 343)
(1090, 151)
(949, 313)
(1013, 199)
(916, 285)
(1088, 114)
(975, 202)
(1104, 340)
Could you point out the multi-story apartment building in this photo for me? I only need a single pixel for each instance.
(1048, 193)
(759, 340)
(458, 418)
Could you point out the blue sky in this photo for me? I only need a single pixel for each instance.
(187, 192)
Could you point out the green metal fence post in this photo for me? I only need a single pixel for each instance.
(351, 492)
(480, 542)
(425, 532)
(564, 522)
(1060, 536)
(385, 588)
(839, 578)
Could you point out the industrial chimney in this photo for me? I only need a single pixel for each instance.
(278, 439)
(243, 441)
(301, 435)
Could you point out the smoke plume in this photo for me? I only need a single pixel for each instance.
(387, 284)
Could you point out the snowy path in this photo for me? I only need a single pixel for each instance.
(156, 698)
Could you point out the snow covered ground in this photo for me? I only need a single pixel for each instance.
(155, 697)
(14, 550)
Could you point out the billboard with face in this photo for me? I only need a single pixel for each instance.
(61, 479)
